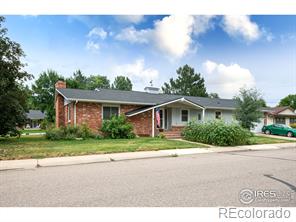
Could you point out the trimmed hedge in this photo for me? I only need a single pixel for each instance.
(117, 128)
(217, 133)
(69, 133)
(293, 125)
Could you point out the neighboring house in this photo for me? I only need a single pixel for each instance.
(34, 118)
(91, 107)
(279, 115)
(276, 115)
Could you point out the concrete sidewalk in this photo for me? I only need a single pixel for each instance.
(72, 160)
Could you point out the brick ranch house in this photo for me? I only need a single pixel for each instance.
(75, 107)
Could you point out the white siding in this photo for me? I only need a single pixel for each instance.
(227, 115)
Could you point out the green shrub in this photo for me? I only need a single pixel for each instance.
(45, 124)
(117, 128)
(54, 134)
(216, 133)
(69, 133)
(293, 125)
(161, 136)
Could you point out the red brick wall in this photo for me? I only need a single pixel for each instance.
(142, 122)
(59, 111)
(90, 114)
(59, 105)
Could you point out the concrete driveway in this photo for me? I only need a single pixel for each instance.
(209, 179)
(278, 137)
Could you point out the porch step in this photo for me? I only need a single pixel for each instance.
(172, 135)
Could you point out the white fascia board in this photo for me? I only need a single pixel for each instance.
(109, 101)
(164, 104)
(221, 108)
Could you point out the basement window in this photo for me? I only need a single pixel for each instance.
(109, 111)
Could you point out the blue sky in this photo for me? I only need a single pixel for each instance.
(229, 51)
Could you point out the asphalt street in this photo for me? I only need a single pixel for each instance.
(211, 179)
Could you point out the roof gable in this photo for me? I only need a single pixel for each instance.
(279, 110)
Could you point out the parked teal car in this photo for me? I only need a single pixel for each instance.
(279, 129)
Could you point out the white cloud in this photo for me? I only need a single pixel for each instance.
(171, 35)
(137, 72)
(130, 18)
(97, 32)
(92, 46)
(241, 26)
(132, 35)
(202, 23)
(227, 80)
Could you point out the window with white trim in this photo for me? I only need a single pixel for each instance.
(199, 116)
(69, 112)
(109, 111)
(184, 115)
(218, 114)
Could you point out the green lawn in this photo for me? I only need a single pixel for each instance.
(38, 147)
(32, 131)
(267, 140)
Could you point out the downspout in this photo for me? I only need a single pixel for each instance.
(153, 134)
(203, 114)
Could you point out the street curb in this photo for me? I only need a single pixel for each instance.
(103, 158)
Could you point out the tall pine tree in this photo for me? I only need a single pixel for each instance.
(188, 83)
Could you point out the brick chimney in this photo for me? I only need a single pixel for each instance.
(60, 84)
(59, 105)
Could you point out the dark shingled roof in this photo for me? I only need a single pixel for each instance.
(35, 114)
(137, 97)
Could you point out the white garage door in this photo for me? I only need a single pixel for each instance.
(258, 126)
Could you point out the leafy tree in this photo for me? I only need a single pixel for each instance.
(248, 111)
(214, 96)
(44, 93)
(263, 103)
(98, 82)
(77, 81)
(12, 76)
(188, 83)
(289, 100)
(30, 98)
(122, 83)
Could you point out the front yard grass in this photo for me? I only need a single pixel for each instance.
(38, 147)
(24, 131)
(267, 140)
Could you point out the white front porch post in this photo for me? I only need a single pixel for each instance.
(203, 114)
(153, 122)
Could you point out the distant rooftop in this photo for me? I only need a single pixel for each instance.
(35, 114)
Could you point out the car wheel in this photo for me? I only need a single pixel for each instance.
(289, 134)
(267, 132)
